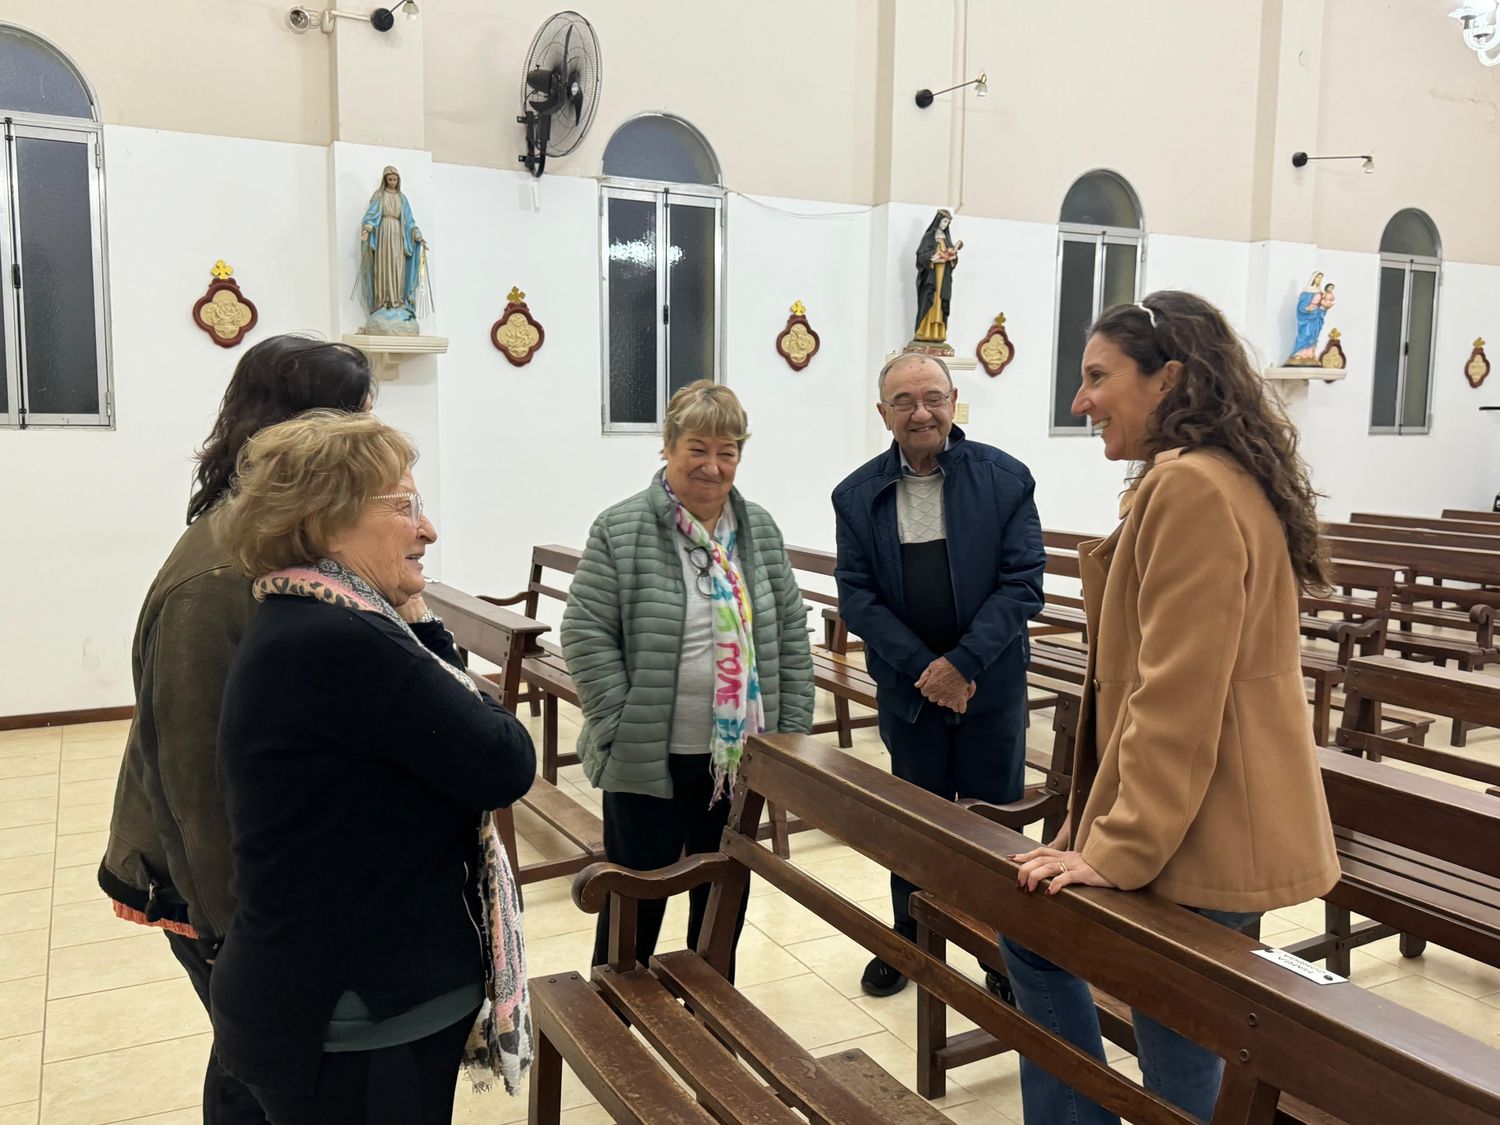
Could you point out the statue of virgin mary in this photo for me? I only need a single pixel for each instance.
(393, 277)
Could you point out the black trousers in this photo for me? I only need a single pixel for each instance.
(647, 832)
(409, 1084)
(979, 754)
(226, 1100)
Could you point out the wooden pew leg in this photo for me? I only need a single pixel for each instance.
(1245, 1100)
(1336, 924)
(1412, 945)
(546, 1084)
(1322, 705)
(505, 825)
(1460, 736)
(549, 738)
(844, 726)
(932, 1024)
(781, 842)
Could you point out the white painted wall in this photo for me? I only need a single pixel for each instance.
(94, 512)
(514, 456)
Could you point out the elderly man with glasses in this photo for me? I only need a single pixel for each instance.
(939, 570)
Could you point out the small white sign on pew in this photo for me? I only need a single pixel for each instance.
(1293, 963)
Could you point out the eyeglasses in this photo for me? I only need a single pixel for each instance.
(413, 504)
(933, 403)
(701, 561)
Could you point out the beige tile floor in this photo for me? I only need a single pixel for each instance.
(99, 1025)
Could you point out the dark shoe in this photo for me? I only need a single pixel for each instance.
(881, 980)
(999, 986)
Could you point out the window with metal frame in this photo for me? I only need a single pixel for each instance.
(1100, 254)
(1411, 262)
(54, 328)
(661, 210)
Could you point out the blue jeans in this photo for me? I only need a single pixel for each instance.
(1173, 1067)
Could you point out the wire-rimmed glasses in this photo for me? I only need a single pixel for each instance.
(905, 404)
(413, 504)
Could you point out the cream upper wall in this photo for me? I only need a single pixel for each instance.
(226, 67)
(784, 90)
(1397, 80)
(1198, 105)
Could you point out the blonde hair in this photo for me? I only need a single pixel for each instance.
(708, 408)
(300, 483)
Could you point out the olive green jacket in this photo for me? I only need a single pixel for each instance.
(168, 852)
(622, 636)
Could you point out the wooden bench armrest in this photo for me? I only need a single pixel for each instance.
(595, 883)
(1016, 815)
(514, 599)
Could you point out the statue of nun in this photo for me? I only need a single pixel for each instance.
(393, 277)
(937, 258)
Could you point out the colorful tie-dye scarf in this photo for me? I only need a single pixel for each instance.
(500, 1044)
(738, 712)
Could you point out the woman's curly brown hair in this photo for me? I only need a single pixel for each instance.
(1219, 401)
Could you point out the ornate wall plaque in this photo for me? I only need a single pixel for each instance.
(798, 343)
(517, 334)
(223, 312)
(1332, 357)
(1477, 369)
(995, 350)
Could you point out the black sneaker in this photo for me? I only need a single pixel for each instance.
(999, 986)
(881, 980)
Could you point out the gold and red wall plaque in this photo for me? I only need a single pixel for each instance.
(223, 312)
(1477, 369)
(517, 334)
(1332, 356)
(798, 343)
(995, 350)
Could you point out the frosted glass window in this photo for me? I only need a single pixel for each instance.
(36, 79)
(633, 311)
(54, 367)
(1101, 199)
(663, 235)
(1410, 269)
(655, 146)
(1100, 237)
(1410, 232)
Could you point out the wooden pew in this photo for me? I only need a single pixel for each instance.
(1471, 514)
(1444, 537)
(508, 640)
(1432, 523)
(1315, 1051)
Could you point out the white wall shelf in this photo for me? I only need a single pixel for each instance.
(387, 352)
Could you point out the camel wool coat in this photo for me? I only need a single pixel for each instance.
(1196, 776)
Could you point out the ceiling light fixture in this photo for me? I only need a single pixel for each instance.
(1481, 29)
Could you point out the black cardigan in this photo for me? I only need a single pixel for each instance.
(354, 769)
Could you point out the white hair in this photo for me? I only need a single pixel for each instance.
(891, 363)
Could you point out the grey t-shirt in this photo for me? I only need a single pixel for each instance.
(693, 710)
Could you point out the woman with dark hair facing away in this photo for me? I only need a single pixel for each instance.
(1195, 775)
(167, 861)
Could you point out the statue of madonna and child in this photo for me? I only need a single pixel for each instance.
(1313, 304)
(393, 276)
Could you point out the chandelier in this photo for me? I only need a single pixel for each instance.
(1481, 27)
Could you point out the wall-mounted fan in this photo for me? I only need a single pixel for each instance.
(559, 88)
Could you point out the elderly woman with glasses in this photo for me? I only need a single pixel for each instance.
(377, 916)
(685, 633)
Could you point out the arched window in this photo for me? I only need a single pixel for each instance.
(1411, 260)
(54, 366)
(1099, 246)
(663, 240)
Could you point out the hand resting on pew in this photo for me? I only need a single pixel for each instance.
(1062, 868)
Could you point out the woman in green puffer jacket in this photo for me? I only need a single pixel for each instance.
(685, 633)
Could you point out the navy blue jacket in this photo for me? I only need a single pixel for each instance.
(995, 557)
